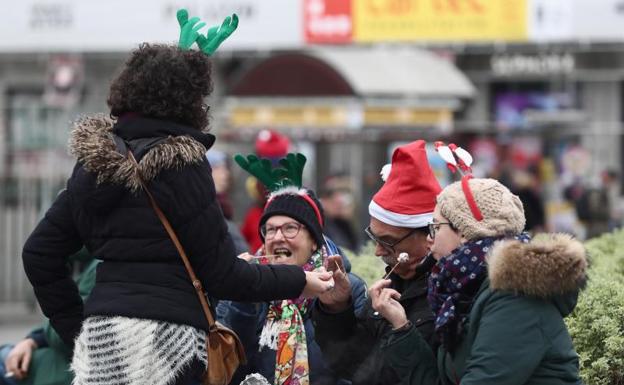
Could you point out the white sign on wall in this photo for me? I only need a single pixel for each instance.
(119, 25)
(576, 20)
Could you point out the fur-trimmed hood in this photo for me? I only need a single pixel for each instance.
(158, 145)
(549, 266)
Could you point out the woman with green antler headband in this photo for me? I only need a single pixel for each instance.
(143, 323)
(278, 336)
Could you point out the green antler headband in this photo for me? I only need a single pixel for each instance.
(289, 174)
(189, 32)
(284, 180)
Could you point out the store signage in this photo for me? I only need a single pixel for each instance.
(327, 21)
(120, 25)
(337, 116)
(519, 64)
(439, 20)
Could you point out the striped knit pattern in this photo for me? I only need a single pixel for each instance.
(131, 351)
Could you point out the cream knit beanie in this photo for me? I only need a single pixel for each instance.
(501, 210)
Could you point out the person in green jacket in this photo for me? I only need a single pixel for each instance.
(499, 298)
(42, 358)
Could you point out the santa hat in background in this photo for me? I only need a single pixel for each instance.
(408, 197)
(272, 145)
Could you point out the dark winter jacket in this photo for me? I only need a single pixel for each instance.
(142, 275)
(351, 342)
(247, 320)
(515, 333)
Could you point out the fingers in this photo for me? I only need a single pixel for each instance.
(245, 256)
(13, 365)
(379, 285)
(325, 275)
(317, 283)
(25, 362)
(334, 263)
(389, 296)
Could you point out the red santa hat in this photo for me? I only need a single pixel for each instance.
(271, 144)
(408, 197)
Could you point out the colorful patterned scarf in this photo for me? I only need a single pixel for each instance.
(453, 284)
(284, 332)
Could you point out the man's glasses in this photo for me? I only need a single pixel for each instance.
(387, 245)
(434, 227)
(289, 230)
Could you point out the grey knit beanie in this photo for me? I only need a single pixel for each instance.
(501, 210)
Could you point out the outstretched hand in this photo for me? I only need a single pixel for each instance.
(188, 29)
(317, 283)
(217, 35)
(337, 299)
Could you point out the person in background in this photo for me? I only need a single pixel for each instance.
(610, 183)
(278, 336)
(337, 200)
(499, 298)
(400, 211)
(42, 358)
(525, 186)
(271, 145)
(222, 179)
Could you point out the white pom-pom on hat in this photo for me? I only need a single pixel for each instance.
(385, 171)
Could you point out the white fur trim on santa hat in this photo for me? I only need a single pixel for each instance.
(399, 220)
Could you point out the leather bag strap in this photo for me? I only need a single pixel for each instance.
(199, 289)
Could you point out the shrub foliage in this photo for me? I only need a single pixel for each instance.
(597, 323)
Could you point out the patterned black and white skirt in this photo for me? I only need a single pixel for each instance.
(120, 350)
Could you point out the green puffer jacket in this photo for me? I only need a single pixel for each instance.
(515, 333)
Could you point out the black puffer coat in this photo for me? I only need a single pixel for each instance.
(142, 275)
(352, 342)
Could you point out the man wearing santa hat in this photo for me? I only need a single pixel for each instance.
(400, 213)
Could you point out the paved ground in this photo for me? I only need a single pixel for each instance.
(16, 320)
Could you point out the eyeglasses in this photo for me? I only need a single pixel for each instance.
(387, 245)
(289, 230)
(433, 227)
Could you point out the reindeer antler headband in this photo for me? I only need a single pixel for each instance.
(189, 32)
(284, 180)
(458, 159)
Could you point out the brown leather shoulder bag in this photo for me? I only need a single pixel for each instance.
(225, 350)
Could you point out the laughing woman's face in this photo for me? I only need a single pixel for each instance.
(289, 240)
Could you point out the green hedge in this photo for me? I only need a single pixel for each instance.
(366, 265)
(597, 323)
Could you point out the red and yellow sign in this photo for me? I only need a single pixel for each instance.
(439, 20)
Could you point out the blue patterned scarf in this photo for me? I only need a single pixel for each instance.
(453, 284)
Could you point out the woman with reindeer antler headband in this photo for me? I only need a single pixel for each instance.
(498, 297)
(279, 336)
(143, 323)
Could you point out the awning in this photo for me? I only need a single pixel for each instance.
(348, 89)
(389, 71)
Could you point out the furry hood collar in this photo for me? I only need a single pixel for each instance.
(91, 142)
(548, 266)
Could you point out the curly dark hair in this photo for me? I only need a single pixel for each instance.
(164, 82)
